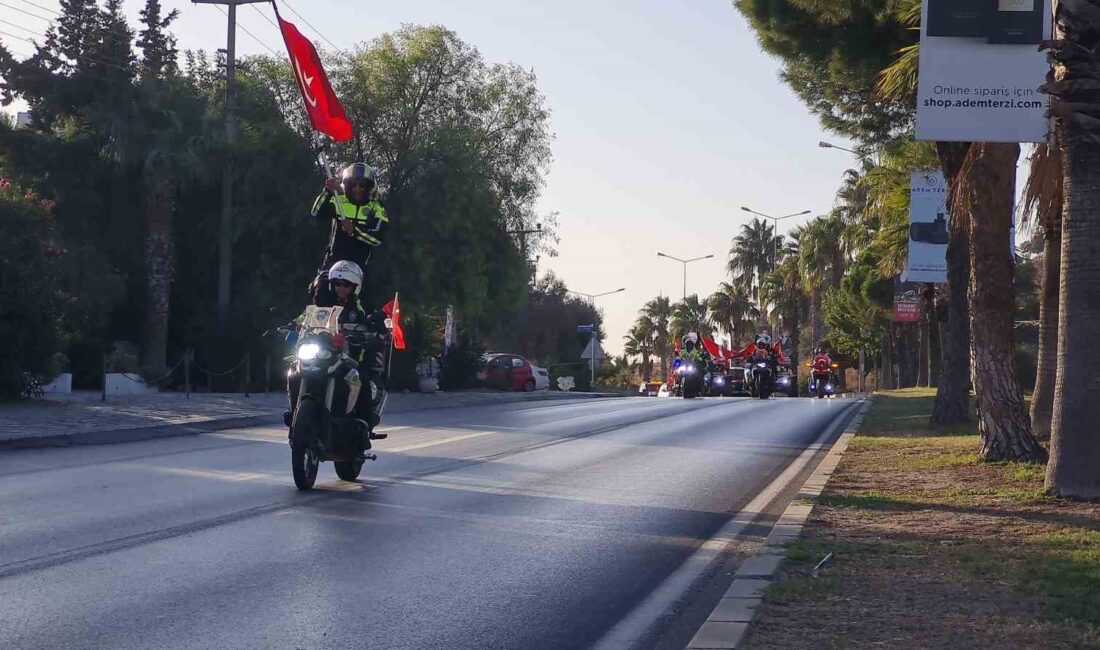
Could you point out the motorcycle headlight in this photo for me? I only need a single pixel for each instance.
(784, 381)
(309, 352)
(719, 381)
(828, 386)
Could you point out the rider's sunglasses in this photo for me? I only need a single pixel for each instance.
(342, 283)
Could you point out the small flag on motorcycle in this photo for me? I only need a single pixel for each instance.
(393, 311)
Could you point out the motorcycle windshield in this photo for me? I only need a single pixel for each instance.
(321, 318)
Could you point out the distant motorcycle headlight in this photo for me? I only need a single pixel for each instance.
(309, 351)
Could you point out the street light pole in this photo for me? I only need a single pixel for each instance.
(775, 230)
(685, 263)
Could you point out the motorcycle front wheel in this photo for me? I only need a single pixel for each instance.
(304, 462)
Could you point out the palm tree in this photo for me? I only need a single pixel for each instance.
(821, 264)
(898, 82)
(639, 343)
(658, 313)
(752, 255)
(690, 315)
(1043, 195)
(783, 291)
(732, 309)
(1074, 468)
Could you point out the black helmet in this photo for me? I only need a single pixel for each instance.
(359, 172)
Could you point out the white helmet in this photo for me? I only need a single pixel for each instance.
(691, 337)
(763, 340)
(347, 271)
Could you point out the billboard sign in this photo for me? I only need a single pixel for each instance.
(927, 228)
(980, 71)
(907, 299)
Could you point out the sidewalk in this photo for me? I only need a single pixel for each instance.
(928, 548)
(81, 418)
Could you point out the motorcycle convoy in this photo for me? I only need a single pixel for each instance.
(759, 371)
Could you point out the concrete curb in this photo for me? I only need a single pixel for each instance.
(727, 624)
(152, 432)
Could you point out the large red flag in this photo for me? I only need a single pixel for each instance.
(393, 310)
(326, 114)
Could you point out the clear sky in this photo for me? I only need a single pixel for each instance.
(667, 118)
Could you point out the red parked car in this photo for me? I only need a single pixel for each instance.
(508, 372)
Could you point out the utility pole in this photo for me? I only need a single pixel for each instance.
(225, 226)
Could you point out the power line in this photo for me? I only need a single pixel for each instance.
(17, 37)
(125, 33)
(22, 11)
(266, 17)
(77, 56)
(42, 7)
(319, 33)
(26, 29)
(245, 30)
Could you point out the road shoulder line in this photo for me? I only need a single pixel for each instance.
(629, 631)
(728, 623)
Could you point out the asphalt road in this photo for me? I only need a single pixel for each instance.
(539, 525)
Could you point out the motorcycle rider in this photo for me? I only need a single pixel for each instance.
(690, 352)
(345, 281)
(822, 365)
(353, 205)
(763, 343)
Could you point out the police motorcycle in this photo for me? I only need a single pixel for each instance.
(323, 426)
(761, 375)
(717, 381)
(689, 379)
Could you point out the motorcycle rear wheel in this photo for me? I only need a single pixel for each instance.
(348, 470)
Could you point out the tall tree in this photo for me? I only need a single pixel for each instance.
(832, 53)
(1074, 469)
(159, 57)
(822, 262)
(751, 255)
(639, 343)
(1043, 196)
(732, 309)
(1003, 424)
(690, 315)
(659, 314)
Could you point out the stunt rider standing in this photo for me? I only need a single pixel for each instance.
(358, 215)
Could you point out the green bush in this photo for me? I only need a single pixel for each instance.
(460, 364)
(31, 301)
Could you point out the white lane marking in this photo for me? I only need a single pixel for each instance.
(628, 632)
(432, 443)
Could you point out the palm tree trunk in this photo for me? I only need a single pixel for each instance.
(1042, 401)
(160, 268)
(928, 313)
(1004, 425)
(953, 397)
(1074, 469)
(887, 378)
(817, 317)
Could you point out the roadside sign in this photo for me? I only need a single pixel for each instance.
(593, 351)
(586, 329)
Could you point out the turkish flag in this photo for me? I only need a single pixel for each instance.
(326, 114)
(393, 310)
